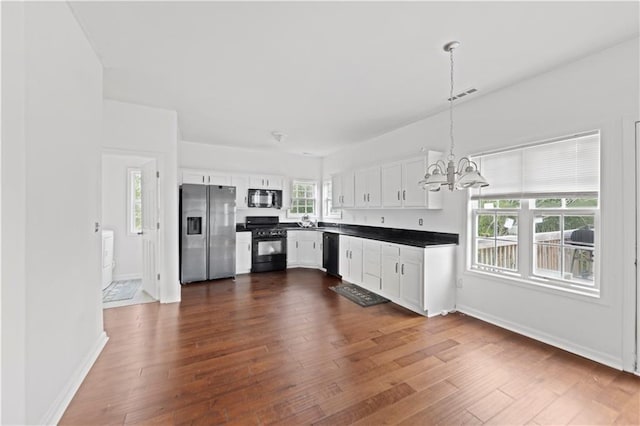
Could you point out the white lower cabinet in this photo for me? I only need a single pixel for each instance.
(350, 267)
(303, 249)
(371, 270)
(402, 275)
(243, 252)
(420, 279)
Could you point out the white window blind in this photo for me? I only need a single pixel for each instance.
(567, 167)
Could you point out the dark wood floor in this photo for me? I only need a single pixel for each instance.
(282, 348)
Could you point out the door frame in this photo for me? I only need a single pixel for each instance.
(630, 158)
(161, 246)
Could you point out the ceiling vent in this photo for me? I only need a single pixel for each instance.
(463, 94)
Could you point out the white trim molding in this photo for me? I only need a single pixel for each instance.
(60, 404)
(563, 344)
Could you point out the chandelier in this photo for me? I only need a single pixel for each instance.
(461, 176)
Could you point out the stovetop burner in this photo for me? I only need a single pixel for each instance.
(265, 226)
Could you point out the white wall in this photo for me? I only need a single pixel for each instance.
(151, 132)
(52, 318)
(115, 214)
(247, 161)
(595, 92)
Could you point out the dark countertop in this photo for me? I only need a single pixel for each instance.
(407, 237)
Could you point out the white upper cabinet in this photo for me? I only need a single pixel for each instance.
(412, 172)
(367, 187)
(342, 189)
(265, 182)
(241, 183)
(392, 185)
(205, 177)
(400, 183)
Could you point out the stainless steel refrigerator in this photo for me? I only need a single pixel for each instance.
(207, 232)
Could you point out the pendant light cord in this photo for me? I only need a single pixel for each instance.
(451, 156)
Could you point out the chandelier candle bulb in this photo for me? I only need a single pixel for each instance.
(466, 174)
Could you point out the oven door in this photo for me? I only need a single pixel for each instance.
(268, 254)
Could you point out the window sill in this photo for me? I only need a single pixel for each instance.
(539, 284)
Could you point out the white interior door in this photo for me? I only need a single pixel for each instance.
(150, 229)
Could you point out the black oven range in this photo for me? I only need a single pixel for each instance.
(268, 243)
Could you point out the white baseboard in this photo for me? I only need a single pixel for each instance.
(597, 356)
(59, 406)
(124, 277)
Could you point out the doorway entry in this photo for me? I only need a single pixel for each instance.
(130, 230)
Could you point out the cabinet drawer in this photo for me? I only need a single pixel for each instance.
(390, 250)
(411, 254)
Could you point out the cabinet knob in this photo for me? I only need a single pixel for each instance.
(396, 267)
(402, 269)
(398, 195)
(404, 194)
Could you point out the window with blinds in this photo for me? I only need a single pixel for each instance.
(569, 166)
(539, 219)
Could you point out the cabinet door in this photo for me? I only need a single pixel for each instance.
(242, 185)
(390, 270)
(218, 179)
(273, 182)
(434, 199)
(243, 252)
(257, 182)
(343, 266)
(355, 258)
(336, 190)
(413, 171)
(307, 252)
(374, 191)
(411, 282)
(194, 176)
(348, 189)
(319, 248)
(360, 188)
(292, 248)
(392, 185)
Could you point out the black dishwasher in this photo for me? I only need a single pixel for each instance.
(330, 252)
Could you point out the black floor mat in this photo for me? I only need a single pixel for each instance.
(359, 295)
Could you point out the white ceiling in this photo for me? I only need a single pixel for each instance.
(330, 74)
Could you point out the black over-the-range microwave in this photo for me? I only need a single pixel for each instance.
(265, 198)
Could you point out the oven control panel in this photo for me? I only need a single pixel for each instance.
(270, 233)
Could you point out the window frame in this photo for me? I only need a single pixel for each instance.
(474, 238)
(131, 202)
(314, 198)
(526, 242)
(327, 194)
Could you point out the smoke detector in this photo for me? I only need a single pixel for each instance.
(279, 136)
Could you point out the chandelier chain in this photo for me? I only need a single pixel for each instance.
(451, 156)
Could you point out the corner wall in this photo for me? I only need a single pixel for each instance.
(595, 92)
(51, 317)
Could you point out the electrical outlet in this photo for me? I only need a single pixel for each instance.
(459, 283)
(420, 221)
